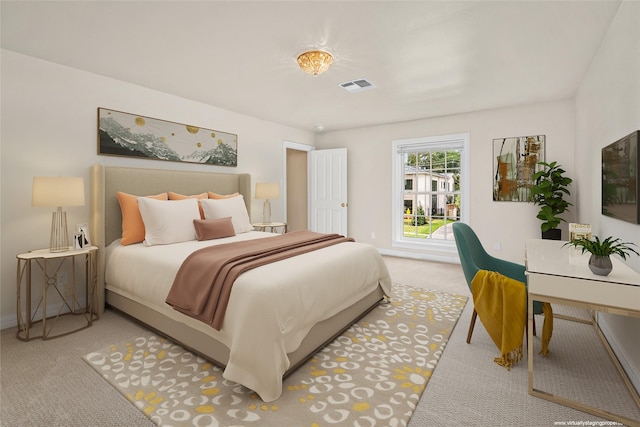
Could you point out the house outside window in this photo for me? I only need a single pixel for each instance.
(424, 210)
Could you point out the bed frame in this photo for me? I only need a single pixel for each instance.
(106, 226)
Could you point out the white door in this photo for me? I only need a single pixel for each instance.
(328, 191)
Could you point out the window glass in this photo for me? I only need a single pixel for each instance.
(432, 193)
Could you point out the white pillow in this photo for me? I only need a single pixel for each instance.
(168, 221)
(233, 207)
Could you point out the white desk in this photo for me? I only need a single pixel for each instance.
(560, 275)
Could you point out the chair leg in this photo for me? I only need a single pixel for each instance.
(473, 323)
(534, 325)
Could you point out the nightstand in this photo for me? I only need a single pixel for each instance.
(59, 277)
(272, 226)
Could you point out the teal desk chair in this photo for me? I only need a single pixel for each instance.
(473, 258)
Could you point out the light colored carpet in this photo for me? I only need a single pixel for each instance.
(373, 374)
(48, 383)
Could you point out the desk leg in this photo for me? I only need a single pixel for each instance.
(569, 402)
(530, 343)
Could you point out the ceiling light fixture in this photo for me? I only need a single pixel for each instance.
(315, 61)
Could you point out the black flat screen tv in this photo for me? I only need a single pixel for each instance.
(620, 179)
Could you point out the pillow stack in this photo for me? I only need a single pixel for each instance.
(172, 218)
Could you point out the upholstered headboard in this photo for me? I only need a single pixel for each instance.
(106, 216)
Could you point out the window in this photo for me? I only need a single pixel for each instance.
(408, 184)
(437, 196)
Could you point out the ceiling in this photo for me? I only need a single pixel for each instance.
(426, 58)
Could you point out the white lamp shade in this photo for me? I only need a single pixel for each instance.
(267, 190)
(57, 191)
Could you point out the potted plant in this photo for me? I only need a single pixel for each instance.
(600, 261)
(548, 191)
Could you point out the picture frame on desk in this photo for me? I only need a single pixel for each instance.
(579, 231)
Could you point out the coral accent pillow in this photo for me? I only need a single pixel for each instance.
(221, 196)
(176, 196)
(167, 222)
(132, 224)
(231, 206)
(208, 229)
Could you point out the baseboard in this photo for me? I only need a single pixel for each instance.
(52, 310)
(625, 359)
(451, 259)
(9, 321)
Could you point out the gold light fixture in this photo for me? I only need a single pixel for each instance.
(315, 61)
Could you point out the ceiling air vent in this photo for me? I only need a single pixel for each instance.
(357, 85)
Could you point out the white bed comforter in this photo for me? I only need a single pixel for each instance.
(271, 308)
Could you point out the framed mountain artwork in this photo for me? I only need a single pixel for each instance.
(132, 135)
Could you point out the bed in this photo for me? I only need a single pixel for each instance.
(278, 315)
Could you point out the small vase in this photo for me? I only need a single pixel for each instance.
(600, 265)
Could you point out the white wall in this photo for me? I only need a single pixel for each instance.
(49, 127)
(608, 108)
(511, 223)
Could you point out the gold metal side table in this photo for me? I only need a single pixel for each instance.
(272, 226)
(54, 267)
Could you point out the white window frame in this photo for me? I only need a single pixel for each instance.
(444, 143)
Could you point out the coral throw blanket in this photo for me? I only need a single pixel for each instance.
(501, 304)
(202, 286)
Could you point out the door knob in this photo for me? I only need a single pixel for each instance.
(344, 205)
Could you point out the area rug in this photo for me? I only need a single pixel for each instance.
(371, 375)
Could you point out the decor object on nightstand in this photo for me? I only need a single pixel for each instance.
(548, 191)
(599, 262)
(267, 191)
(58, 191)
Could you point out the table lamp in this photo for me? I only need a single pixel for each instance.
(267, 191)
(58, 191)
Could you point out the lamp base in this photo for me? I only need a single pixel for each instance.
(266, 212)
(59, 241)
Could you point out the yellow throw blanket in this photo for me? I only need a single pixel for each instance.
(547, 328)
(501, 304)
